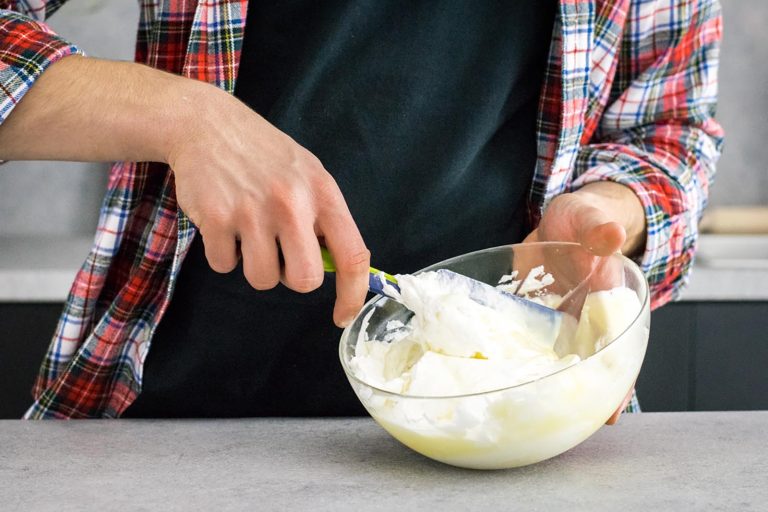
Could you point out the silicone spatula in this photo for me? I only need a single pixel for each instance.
(382, 283)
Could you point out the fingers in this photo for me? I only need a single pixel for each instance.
(350, 254)
(220, 249)
(615, 416)
(532, 237)
(597, 233)
(297, 228)
(303, 267)
(352, 263)
(609, 274)
(574, 217)
(602, 237)
(261, 265)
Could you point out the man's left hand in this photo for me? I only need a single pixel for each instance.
(603, 217)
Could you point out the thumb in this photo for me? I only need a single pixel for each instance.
(597, 232)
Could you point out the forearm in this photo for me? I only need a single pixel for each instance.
(87, 109)
(620, 205)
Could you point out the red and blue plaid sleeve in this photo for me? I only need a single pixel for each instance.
(27, 48)
(658, 134)
(35, 9)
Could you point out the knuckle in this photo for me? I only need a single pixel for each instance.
(261, 280)
(222, 265)
(259, 274)
(220, 258)
(310, 162)
(325, 189)
(289, 202)
(304, 284)
(215, 219)
(249, 221)
(356, 259)
(302, 273)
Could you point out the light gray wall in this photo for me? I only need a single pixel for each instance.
(64, 197)
(55, 198)
(742, 176)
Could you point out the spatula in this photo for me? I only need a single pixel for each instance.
(382, 283)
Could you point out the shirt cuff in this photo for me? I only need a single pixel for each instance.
(27, 48)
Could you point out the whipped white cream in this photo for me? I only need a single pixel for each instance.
(454, 346)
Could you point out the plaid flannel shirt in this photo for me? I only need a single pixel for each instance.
(629, 96)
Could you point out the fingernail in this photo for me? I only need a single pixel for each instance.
(346, 323)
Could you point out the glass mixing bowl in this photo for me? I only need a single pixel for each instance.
(528, 422)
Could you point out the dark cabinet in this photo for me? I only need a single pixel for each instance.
(26, 331)
(706, 356)
(731, 357)
(663, 384)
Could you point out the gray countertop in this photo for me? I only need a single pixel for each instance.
(650, 461)
(41, 269)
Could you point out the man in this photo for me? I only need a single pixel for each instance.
(441, 128)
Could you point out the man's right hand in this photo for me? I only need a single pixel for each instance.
(238, 178)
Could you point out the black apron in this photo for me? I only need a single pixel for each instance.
(424, 113)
